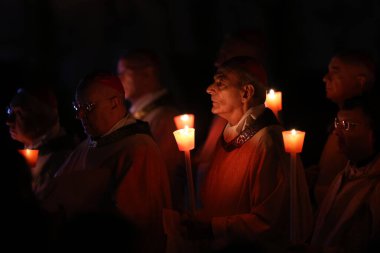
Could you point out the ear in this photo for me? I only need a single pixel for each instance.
(115, 101)
(248, 91)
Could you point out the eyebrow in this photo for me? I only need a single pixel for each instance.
(219, 75)
(334, 67)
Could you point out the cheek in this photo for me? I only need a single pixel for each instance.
(23, 126)
(226, 100)
(357, 142)
(336, 83)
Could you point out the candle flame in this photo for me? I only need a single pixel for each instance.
(271, 94)
(30, 155)
(294, 132)
(184, 120)
(185, 117)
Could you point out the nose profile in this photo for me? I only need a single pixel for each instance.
(80, 114)
(8, 122)
(326, 77)
(210, 89)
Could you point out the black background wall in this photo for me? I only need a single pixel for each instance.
(57, 42)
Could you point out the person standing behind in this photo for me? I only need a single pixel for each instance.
(351, 73)
(118, 168)
(139, 72)
(245, 196)
(33, 120)
(349, 217)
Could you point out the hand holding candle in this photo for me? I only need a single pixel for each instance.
(274, 101)
(30, 155)
(184, 120)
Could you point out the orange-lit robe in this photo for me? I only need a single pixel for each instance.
(158, 109)
(122, 172)
(246, 191)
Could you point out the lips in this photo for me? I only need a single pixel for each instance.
(13, 133)
(214, 101)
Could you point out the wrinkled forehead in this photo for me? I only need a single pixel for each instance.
(219, 74)
(223, 72)
(338, 63)
(227, 74)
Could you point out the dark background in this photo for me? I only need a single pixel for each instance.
(58, 41)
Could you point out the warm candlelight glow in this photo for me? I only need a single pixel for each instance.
(274, 101)
(181, 121)
(293, 140)
(185, 138)
(30, 155)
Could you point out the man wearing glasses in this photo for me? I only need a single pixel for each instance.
(349, 217)
(118, 168)
(33, 121)
(350, 73)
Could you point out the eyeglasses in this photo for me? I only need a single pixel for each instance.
(83, 107)
(344, 124)
(10, 113)
(87, 107)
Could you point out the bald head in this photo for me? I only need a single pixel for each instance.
(100, 103)
(350, 74)
(101, 82)
(363, 65)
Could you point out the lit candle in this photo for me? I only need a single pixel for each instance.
(274, 101)
(185, 138)
(185, 141)
(30, 155)
(181, 121)
(293, 141)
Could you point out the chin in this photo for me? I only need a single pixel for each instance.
(215, 110)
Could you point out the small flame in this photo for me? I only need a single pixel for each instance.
(185, 117)
(294, 132)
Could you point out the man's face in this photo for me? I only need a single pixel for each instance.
(130, 78)
(341, 81)
(20, 124)
(355, 136)
(226, 94)
(93, 109)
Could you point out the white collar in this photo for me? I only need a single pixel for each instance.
(230, 132)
